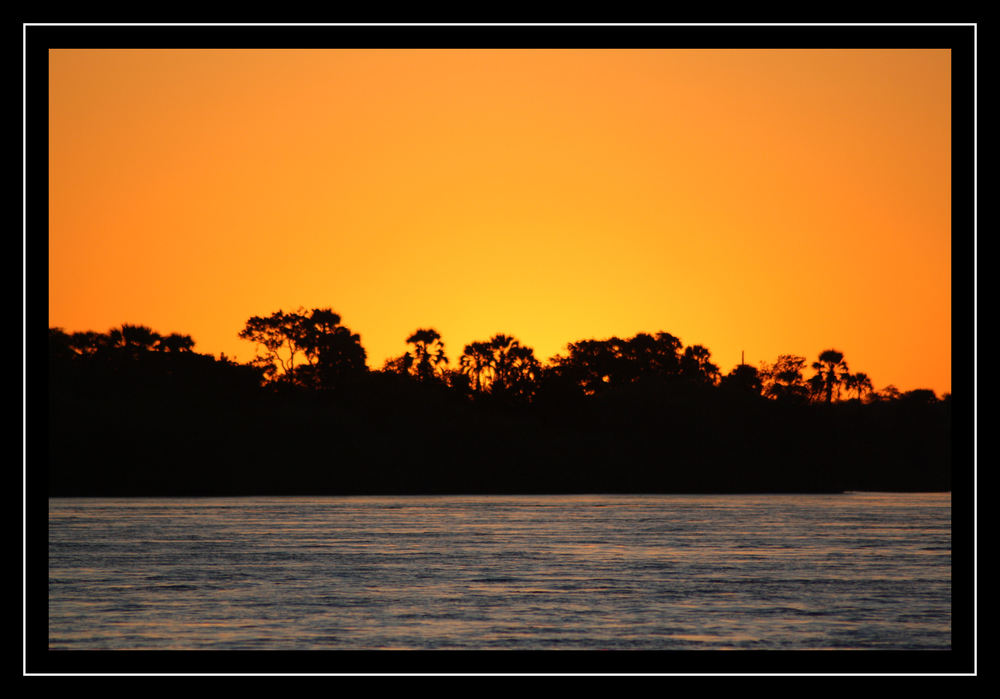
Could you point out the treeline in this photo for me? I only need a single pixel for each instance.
(134, 412)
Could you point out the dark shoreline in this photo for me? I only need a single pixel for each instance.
(104, 450)
(129, 421)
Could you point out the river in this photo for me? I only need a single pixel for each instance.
(618, 572)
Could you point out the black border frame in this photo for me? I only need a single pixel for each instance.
(960, 38)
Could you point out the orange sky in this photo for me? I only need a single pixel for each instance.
(766, 201)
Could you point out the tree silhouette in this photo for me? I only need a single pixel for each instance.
(305, 348)
(113, 394)
(859, 383)
(743, 379)
(175, 342)
(696, 365)
(426, 360)
(88, 343)
(399, 365)
(63, 345)
(277, 337)
(596, 365)
(593, 365)
(783, 380)
(647, 356)
(517, 368)
(920, 395)
(133, 340)
(60, 345)
(336, 357)
(476, 362)
(888, 394)
(831, 374)
(501, 366)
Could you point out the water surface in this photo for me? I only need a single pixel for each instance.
(768, 572)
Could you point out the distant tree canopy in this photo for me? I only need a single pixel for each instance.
(783, 380)
(501, 366)
(860, 384)
(312, 349)
(309, 349)
(743, 379)
(126, 339)
(599, 365)
(131, 359)
(696, 366)
(136, 411)
(426, 360)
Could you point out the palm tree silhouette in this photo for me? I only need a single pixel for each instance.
(831, 373)
(504, 349)
(859, 383)
(502, 364)
(428, 353)
(476, 362)
(133, 339)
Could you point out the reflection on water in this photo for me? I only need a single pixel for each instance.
(869, 571)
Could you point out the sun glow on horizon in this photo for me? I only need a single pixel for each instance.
(759, 201)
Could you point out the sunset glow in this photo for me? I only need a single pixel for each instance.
(762, 202)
